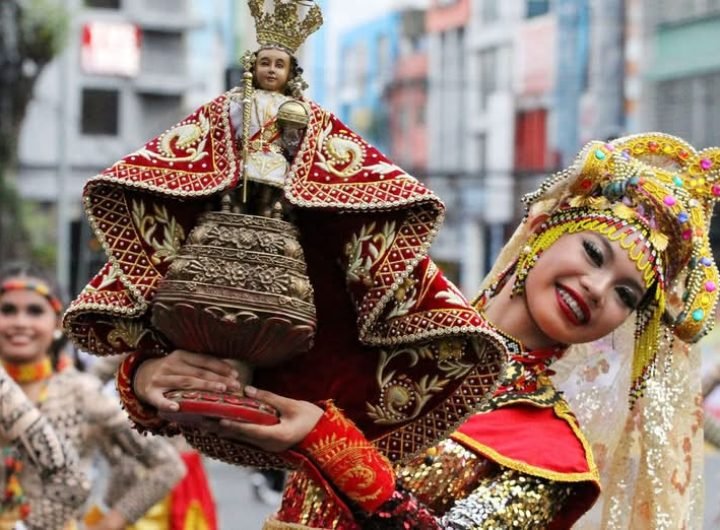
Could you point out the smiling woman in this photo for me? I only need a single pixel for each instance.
(616, 244)
(72, 403)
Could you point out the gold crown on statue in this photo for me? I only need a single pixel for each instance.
(284, 27)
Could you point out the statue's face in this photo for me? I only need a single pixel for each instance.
(272, 69)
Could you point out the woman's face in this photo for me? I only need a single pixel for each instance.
(272, 69)
(27, 323)
(582, 288)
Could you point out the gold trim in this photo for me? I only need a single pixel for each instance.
(274, 524)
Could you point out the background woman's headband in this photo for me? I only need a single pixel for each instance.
(35, 286)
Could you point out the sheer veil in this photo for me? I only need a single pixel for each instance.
(649, 453)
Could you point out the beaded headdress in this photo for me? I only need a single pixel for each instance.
(654, 194)
(284, 28)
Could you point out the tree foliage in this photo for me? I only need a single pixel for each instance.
(32, 33)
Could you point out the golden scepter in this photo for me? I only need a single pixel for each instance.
(248, 91)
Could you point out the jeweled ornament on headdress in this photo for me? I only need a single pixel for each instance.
(285, 26)
(655, 194)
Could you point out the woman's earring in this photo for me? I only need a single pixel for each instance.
(524, 265)
(57, 334)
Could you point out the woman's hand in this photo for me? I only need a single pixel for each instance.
(185, 371)
(297, 419)
(112, 520)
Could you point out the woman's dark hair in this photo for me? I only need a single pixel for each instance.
(19, 269)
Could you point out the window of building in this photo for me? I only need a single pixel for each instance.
(481, 155)
(100, 112)
(535, 8)
(531, 140)
(669, 11)
(488, 75)
(489, 11)
(103, 4)
(690, 108)
(384, 60)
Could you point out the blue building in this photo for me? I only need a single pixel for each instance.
(368, 54)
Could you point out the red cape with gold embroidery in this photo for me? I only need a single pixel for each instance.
(365, 227)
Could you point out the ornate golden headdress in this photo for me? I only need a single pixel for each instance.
(283, 27)
(652, 192)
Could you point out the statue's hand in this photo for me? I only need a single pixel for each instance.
(182, 370)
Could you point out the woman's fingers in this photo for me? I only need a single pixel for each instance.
(157, 399)
(297, 419)
(207, 362)
(183, 370)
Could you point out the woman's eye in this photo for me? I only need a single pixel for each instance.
(628, 297)
(593, 252)
(8, 309)
(35, 310)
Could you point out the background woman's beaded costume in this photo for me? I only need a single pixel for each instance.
(62, 488)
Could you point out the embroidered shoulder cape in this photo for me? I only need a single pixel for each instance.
(398, 347)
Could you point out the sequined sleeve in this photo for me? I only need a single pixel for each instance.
(159, 465)
(63, 488)
(509, 499)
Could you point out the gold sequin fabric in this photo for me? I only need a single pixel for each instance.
(462, 489)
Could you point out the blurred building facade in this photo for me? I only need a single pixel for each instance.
(406, 96)
(130, 69)
(368, 54)
(514, 89)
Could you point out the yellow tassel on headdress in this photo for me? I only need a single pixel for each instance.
(647, 342)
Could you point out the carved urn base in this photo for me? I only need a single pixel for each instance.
(238, 290)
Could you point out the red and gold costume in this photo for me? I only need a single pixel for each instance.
(404, 356)
(387, 315)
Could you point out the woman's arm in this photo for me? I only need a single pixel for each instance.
(336, 453)
(159, 463)
(63, 487)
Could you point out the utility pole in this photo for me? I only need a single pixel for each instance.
(63, 165)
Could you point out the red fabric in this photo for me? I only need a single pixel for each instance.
(361, 264)
(145, 415)
(545, 442)
(348, 461)
(555, 447)
(193, 488)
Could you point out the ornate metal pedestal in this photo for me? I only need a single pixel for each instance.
(237, 290)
